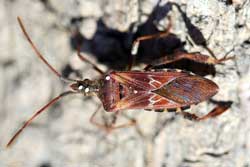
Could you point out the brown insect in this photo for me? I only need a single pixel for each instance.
(162, 90)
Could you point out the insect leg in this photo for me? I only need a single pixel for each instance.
(103, 126)
(94, 122)
(196, 57)
(136, 43)
(108, 128)
(218, 110)
(131, 62)
(131, 122)
(83, 58)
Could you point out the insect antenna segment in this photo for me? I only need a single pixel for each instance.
(36, 114)
(38, 53)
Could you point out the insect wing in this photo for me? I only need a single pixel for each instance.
(188, 90)
(146, 81)
(163, 90)
(144, 100)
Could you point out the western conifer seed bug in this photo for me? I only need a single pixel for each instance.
(159, 90)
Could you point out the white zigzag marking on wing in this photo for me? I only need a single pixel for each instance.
(152, 101)
(152, 80)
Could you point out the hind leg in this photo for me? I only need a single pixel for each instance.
(196, 57)
(218, 110)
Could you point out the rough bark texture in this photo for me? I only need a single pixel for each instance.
(63, 135)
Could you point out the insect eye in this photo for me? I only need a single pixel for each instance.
(86, 90)
(80, 87)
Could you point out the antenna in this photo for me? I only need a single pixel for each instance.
(38, 53)
(37, 113)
